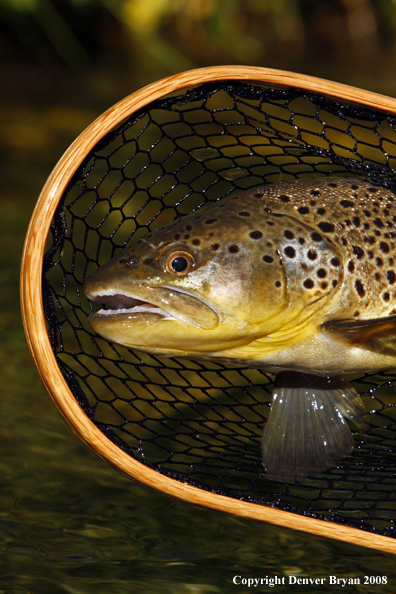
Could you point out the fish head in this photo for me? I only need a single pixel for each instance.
(209, 283)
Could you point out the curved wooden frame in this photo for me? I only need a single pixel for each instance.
(35, 323)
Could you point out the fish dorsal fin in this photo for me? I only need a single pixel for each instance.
(378, 335)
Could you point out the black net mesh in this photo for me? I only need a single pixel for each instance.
(201, 423)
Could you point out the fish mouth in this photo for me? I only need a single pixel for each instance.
(122, 304)
(154, 304)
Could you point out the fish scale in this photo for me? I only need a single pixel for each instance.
(361, 218)
(296, 278)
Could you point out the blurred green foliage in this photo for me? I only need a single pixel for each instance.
(179, 34)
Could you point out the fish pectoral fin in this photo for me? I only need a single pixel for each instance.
(306, 431)
(378, 335)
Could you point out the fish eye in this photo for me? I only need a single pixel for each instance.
(179, 262)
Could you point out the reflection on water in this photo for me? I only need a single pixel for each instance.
(69, 523)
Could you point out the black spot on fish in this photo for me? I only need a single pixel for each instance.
(177, 236)
(391, 276)
(357, 250)
(290, 251)
(360, 288)
(188, 227)
(301, 240)
(321, 211)
(210, 221)
(356, 314)
(335, 261)
(315, 193)
(354, 187)
(196, 242)
(129, 261)
(278, 284)
(324, 285)
(333, 185)
(187, 236)
(378, 223)
(322, 273)
(326, 227)
(258, 195)
(284, 198)
(316, 236)
(312, 255)
(386, 296)
(379, 262)
(356, 221)
(308, 284)
(334, 283)
(270, 223)
(346, 203)
(384, 247)
(351, 266)
(367, 213)
(256, 235)
(215, 246)
(244, 213)
(233, 249)
(268, 259)
(288, 235)
(303, 210)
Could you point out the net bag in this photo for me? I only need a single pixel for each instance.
(190, 428)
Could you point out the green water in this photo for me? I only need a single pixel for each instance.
(68, 522)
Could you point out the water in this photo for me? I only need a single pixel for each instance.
(70, 523)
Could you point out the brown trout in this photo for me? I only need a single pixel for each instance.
(298, 279)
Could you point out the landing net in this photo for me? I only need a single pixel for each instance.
(201, 423)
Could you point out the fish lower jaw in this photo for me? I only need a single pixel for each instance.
(120, 304)
(132, 311)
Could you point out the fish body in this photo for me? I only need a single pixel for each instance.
(297, 277)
